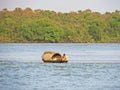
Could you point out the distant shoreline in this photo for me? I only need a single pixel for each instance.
(45, 26)
(61, 42)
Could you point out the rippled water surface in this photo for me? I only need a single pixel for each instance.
(90, 67)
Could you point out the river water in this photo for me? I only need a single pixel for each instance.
(90, 67)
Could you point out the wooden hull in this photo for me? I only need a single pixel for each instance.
(55, 61)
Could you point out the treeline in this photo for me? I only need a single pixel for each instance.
(48, 26)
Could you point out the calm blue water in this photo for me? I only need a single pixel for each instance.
(90, 67)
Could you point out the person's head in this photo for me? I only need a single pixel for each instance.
(63, 54)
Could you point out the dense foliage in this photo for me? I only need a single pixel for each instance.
(48, 26)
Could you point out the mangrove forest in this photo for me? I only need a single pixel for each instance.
(45, 26)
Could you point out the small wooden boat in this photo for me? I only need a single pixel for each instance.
(53, 57)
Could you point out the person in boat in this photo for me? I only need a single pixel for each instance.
(64, 57)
